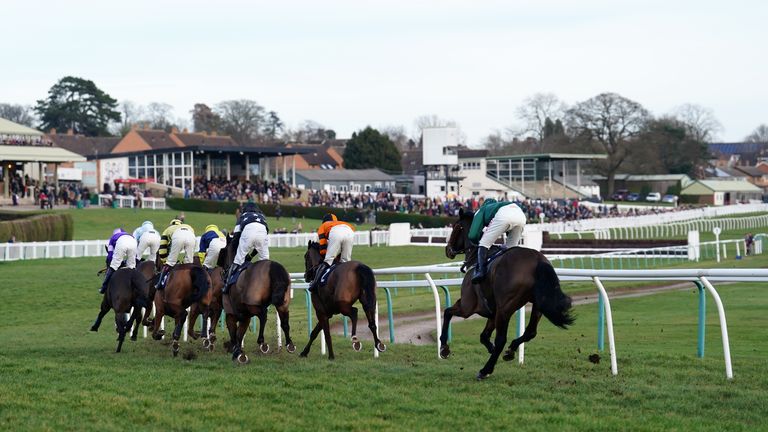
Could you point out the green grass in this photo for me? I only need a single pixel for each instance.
(56, 375)
(96, 223)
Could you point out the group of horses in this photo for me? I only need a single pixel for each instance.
(517, 277)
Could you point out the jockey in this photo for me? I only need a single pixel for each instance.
(176, 238)
(148, 238)
(253, 226)
(211, 243)
(121, 247)
(335, 238)
(500, 217)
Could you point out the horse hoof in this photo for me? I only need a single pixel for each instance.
(156, 336)
(242, 359)
(94, 329)
(482, 375)
(133, 338)
(381, 347)
(206, 344)
(304, 354)
(264, 348)
(161, 333)
(508, 356)
(445, 352)
(357, 346)
(175, 347)
(291, 348)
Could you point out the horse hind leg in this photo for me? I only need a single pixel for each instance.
(284, 315)
(485, 335)
(312, 337)
(351, 312)
(263, 346)
(135, 322)
(502, 325)
(369, 314)
(194, 311)
(242, 328)
(102, 312)
(528, 334)
(181, 316)
(122, 321)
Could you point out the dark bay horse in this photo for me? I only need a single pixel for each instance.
(214, 310)
(518, 277)
(187, 285)
(349, 282)
(149, 270)
(260, 285)
(127, 289)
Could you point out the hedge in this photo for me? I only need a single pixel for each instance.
(37, 227)
(230, 207)
(386, 218)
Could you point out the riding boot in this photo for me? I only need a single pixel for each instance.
(318, 275)
(107, 276)
(163, 273)
(481, 268)
(230, 274)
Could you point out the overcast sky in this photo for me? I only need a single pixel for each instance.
(351, 64)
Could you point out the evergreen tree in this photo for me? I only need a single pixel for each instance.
(371, 149)
(77, 104)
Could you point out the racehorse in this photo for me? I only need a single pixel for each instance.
(127, 289)
(517, 277)
(262, 283)
(214, 311)
(187, 285)
(148, 269)
(348, 282)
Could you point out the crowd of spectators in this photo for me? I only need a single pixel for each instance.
(25, 141)
(256, 190)
(47, 195)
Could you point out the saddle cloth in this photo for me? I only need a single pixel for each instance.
(327, 274)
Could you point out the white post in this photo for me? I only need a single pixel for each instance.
(609, 324)
(716, 232)
(279, 336)
(521, 330)
(376, 321)
(438, 321)
(208, 166)
(247, 167)
(723, 327)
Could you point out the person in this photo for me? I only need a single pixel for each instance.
(121, 247)
(148, 238)
(211, 243)
(336, 239)
(178, 237)
(254, 236)
(500, 217)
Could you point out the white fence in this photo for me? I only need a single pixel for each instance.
(127, 201)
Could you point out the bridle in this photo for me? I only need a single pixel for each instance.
(457, 230)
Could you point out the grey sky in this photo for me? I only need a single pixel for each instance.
(350, 64)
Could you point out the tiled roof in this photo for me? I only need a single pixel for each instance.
(157, 139)
(83, 145)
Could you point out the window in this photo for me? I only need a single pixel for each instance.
(470, 165)
(367, 188)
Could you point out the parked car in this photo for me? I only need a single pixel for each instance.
(620, 195)
(594, 199)
(669, 198)
(634, 196)
(653, 197)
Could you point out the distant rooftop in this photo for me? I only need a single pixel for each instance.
(554, 156)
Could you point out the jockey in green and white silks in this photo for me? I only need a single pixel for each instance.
(499, 218)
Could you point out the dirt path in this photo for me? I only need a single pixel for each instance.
(418, 328)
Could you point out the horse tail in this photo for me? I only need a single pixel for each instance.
(550, 299)
(279, 280)
(200, 284)
(139, 288)
(368, 285)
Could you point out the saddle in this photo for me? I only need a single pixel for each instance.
(493, 253)
(327, 274)
(233, 277)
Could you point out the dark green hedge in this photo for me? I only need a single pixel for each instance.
(230, 207)
(37, 227)
(386, 218)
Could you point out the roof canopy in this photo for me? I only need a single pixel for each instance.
(345, 175)
(8, 127)
(708, 186)
(38, 154)
(552, 156)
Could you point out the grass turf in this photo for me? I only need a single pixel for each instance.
(56, 375)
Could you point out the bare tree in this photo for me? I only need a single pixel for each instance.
(534, 113)
(433, 121)
(700, 122)
(759, 135)
(242, 119)
(131, 114)
(204, 119)
(159, 116)
(397, 135)
(309, 130)
(608, 122)
(21, 114)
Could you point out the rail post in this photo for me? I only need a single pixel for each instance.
(390, 317)
(447, 305)
(600, 323)
(609, 322)
(438, 321)
(702, 318)
(723, 326)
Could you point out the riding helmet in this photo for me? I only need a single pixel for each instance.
(148, 224)
(117, 231)
(211, 228)
(175, 222)
(251, 207)
(330, 217)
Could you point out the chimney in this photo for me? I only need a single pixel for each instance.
(174, 130)
(70, 132)
(53, 131)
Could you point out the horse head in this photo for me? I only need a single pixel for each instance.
(458, 240)
(311, 259)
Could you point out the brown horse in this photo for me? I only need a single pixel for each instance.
(349, 282)
(148, 269)
(126, 290)
(214, 310)
(518, 277)
(262, 283)
(187, 284)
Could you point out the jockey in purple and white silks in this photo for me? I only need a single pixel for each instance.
(121, 247)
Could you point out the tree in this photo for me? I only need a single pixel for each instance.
(699, 121)
(608, 122)
(204, 119)
(130, 114)
(397, 135)
(21, 114)
(310, 130)
(759, 135)
(274, 125)
(158, 116)
(371, 149)
(670, 146)
(78, 104)
(241, 119)
(535, 112)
